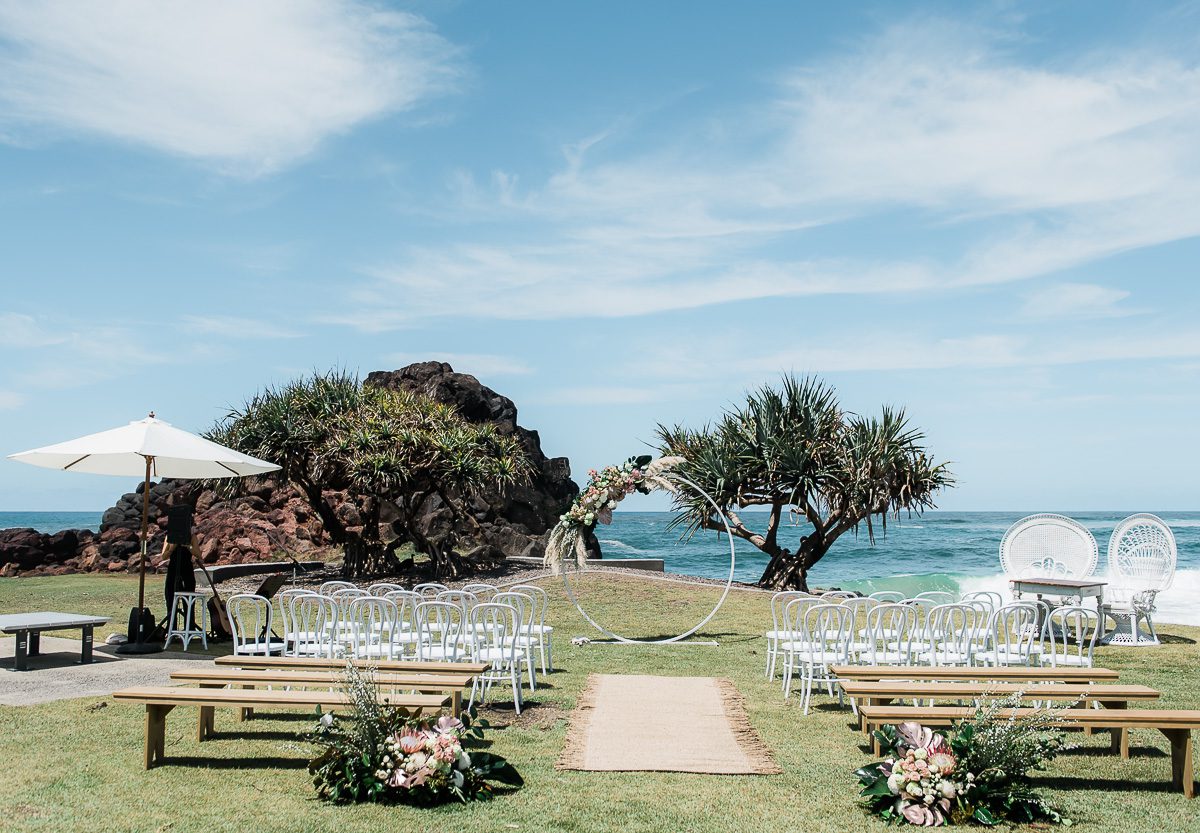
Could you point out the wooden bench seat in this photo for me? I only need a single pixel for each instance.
(883, 692)
(317, 663)
(1176, 725)
(449, 684)
(160, 700)
(979, 673)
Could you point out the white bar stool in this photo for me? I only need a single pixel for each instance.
(192, 608)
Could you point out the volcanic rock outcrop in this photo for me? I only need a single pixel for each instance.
(268, 519)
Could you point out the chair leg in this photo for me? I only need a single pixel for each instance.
(516, 687)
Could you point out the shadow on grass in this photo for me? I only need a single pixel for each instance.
(255, 762)
(1174, 639)
(253, 735)
(1134, 752)
(1110, 785)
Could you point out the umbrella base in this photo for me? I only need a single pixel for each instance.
(139, 648)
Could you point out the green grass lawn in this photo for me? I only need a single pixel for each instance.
(76, 765)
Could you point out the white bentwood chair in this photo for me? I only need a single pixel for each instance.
(1069, 636)
(494, 631)
(825, 633)
(250, 616)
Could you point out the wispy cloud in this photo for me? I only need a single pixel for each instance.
(11, 400)
(250, 87)
(1076, 300)
(476, 364)
(899, 351)
(233, 327)
(1035, 169)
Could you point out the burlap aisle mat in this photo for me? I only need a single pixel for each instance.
(638, 723)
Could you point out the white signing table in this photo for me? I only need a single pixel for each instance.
(1069, 588)
(29, 626)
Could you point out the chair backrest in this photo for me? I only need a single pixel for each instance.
(481, 589)
(250, 618)
(951, 631)
(406, 603)
(463, 598)
(779, 601)
(887, 596)
(311, 619)
(1069, 636)
(1048, 546)
(382, 588)
(940, 597)
(525, 605)
(283, 603)
(1142, 554)
(825, 633)
(835, 595)
(429, 589)
(371, 620)
(1014, 632)
(494, 628)
(439, 625)
(993, 599)
(328, 587)
(891, 628)
(345, 595)
(792, 615)
(541, 601)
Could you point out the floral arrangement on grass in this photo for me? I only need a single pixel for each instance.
(384, 754)
(595, 504)
(980, 774)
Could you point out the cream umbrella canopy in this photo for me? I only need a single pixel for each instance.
(146, 448)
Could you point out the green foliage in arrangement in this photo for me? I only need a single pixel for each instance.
(980, 774)
(384, 754)
(794, 450)
(330, 432)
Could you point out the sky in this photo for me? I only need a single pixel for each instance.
(617, 214)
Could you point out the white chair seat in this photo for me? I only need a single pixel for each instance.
(262, 646)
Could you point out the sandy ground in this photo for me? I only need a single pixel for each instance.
(57, 675)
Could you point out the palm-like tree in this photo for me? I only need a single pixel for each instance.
(794, 450)
(329, 432)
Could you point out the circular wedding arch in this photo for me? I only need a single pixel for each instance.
(680, 637)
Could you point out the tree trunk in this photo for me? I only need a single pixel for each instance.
(789, 570)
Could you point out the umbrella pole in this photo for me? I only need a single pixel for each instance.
(145, 535)
(138, 646)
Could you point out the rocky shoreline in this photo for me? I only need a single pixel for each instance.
(267, 519)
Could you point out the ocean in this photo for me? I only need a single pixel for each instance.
(957, 551)
(939, 551)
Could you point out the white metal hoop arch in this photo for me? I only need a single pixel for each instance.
(679, 638)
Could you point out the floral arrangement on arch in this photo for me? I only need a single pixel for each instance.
(979, 775)
(605, 489)
(385, 754)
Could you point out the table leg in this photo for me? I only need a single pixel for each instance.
(35, 643)
(1099, 616)
(20, 657)
(85, 650)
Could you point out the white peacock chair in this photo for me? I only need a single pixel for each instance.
(1048, 546)
(1141, 564)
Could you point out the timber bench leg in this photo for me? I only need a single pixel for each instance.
(1181, 761)
(1119, 736)
(156, 732)
(205, 727)
(456, 703)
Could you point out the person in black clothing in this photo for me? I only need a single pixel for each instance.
(181, 540)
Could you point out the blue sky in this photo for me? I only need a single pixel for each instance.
(617, 214)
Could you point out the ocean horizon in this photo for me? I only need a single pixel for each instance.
(956, 551)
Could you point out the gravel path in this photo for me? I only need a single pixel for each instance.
(57, 675)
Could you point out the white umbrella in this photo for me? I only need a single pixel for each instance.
(147, 448)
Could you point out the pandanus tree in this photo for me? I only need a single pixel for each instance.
(794, 452)
(330, 433)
